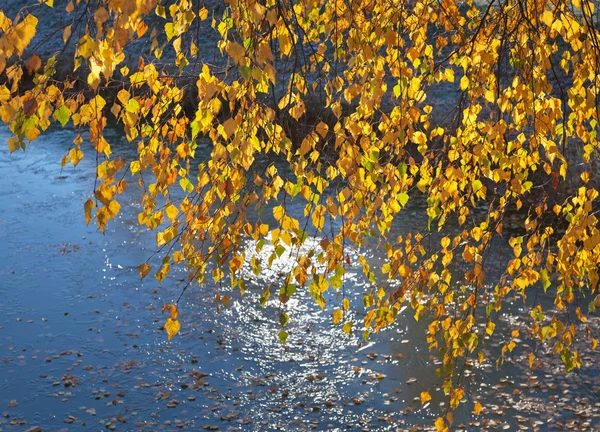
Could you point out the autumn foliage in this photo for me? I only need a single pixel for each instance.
(347, 94)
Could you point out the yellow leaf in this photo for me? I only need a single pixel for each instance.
(547, 18)
(348, 327)
(318, 219)
(425, 397)
(440, 425)
(419, 138)
(144, 269)
(172, 310)
(67, 34)
(404, 270)
(172, 326)
(88, 206)
(172, 211)
(203, 14)
(456, 397)
(477, 408)
(75, 155)
(114, 207)
(285, 44)
(160, 11)
(263, 229)
(236, 51)
(21, 35)
(278, 213)
(489, 329)
(337, 316)
(585, 176)
(135, 167)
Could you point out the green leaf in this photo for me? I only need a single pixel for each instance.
(302, 236)
(284, 319)
(403, 199)
(170, 30)
(186, 185)
(195, 128)
(335, 282)
(283, 335)
(567, 358)
(290, 290)
(63, 114)
(402, 169)
(132, 106)
(545, 280)
(246, 72)
(374, 155)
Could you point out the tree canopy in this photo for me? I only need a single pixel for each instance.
(480, 109)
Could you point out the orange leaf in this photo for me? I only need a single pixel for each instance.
(172, 310)
(88, 206)
(33, 63)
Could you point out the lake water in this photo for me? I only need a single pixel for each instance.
(81, 344)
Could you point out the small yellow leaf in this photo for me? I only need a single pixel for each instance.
(172, 326)
(66, 34)
(278, 213)
(203, 14)
(172, 310)
(425, 397)
(172, 211)
(135, 167)
(347, 328)
(337, 316)
(440, 425)
(88, 206)
(477, 408)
